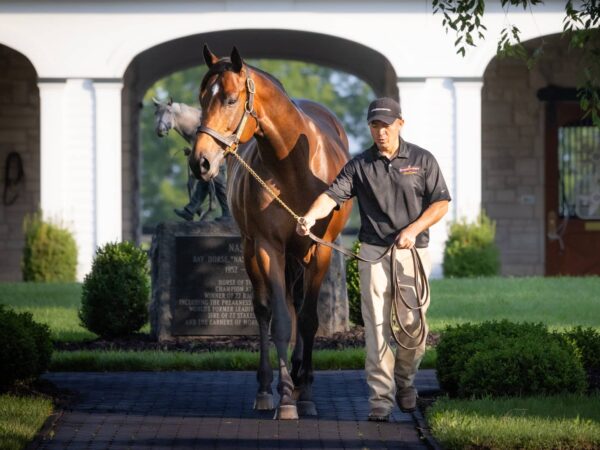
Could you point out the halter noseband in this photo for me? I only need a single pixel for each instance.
(232, 141)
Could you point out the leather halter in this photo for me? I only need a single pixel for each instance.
(232, 141)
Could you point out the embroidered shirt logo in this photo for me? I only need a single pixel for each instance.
(409, 170)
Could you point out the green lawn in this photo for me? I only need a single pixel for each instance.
(558, 302)
(55, 304)
(156, 360)
(561, 422)
(20, 419)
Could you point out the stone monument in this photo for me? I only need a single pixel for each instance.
(200, 286)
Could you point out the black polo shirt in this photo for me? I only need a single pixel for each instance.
(391, 194)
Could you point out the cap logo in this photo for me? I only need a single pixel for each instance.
(381, 109)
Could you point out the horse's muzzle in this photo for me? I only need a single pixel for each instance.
(200, 167)
(162, 131)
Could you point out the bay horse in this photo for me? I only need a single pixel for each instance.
(299, 148)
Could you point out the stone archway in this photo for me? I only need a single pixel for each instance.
(20, 134)
(147, 67)
(513, 150)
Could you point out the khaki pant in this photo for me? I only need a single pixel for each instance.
(386, 371)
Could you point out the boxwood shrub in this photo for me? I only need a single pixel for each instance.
(50, 251)
(523, 366)
(503, 358)
(25, 347)
(460, 342)
(353, 287)
(116, 292)
(587, 341)
(471, 250)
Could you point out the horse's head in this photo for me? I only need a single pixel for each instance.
(228, 115)
(163, 117)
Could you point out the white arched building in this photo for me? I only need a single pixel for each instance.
(73, 73)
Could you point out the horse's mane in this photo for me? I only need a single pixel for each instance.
(225, 65)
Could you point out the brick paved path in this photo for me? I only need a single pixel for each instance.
(185, 410)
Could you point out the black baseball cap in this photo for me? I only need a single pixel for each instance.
(385, 109)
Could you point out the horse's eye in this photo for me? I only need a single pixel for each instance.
(231, 101)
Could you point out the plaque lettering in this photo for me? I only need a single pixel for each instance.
(213, 295)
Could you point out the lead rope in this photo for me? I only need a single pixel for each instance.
(421, 283)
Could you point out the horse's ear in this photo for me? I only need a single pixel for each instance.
(156, 102)
(209, 57)
(170, 101)
(236, 60)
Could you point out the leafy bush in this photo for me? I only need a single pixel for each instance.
(115, 293)
(470, 249)
(524, 366)
(587, 341)
(353, 283)
(458, 344)
(25, 347)
(50, 252)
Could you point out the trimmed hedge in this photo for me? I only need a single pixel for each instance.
(505, 358)
(524, 366)
(471, 250)
(587, 341)
(25, 347)
(50, 252)
(353, 287)
(116, 292)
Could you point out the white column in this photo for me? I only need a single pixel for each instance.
(52, 151)
(413, 109)
(79, 175)
(428, 110)
(468, 148)
(108, 192)
(67, 161)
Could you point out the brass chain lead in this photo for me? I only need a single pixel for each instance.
(233, 152)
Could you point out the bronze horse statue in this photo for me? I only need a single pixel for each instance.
(299, 148)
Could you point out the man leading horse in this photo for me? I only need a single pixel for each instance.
(401, 193)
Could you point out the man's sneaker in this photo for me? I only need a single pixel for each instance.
(379, 415)
(407, 399)
(184, 213)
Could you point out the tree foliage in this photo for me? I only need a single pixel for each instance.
(580, 27)
(164, 166)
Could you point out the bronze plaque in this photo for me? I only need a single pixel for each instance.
(213, 294)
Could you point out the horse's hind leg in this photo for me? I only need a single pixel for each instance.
(264, 375)
(308, 324)
(295, 286)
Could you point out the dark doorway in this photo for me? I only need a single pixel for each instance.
(572, 190)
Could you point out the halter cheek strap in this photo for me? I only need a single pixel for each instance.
(232, 141)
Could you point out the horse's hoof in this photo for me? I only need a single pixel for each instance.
(264, 402)
(286, 412)
(306, 408)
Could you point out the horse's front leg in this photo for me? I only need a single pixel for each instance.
(262, 312)
(308, 323)
(272, 266)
